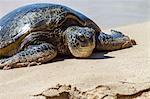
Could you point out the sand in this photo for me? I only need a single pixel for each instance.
(122, 74)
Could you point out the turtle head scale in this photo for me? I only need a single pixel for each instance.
(80, 40)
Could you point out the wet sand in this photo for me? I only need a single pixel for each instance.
(122, 74)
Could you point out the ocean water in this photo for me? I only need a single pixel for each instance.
(106, 13)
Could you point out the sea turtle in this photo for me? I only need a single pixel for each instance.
(36, 33)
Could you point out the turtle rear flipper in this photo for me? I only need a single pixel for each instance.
(114, 41)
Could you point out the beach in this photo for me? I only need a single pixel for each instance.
(122, 74)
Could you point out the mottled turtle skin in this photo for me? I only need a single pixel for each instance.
(37, 33)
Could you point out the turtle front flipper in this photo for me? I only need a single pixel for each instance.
(33, 55)
(114, 41)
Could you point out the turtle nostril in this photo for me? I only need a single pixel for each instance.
(90, 36)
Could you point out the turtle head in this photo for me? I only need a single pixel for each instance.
(80, 40)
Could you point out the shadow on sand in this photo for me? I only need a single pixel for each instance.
(95, 55)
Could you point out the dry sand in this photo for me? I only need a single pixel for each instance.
(122, 74)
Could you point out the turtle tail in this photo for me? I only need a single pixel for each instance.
(114, 41)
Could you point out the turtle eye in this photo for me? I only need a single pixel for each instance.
(81, 38)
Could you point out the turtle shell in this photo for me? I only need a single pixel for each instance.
(35, 17)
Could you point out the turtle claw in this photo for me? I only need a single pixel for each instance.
(133, 42)
(6, 67)
(4, 64)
